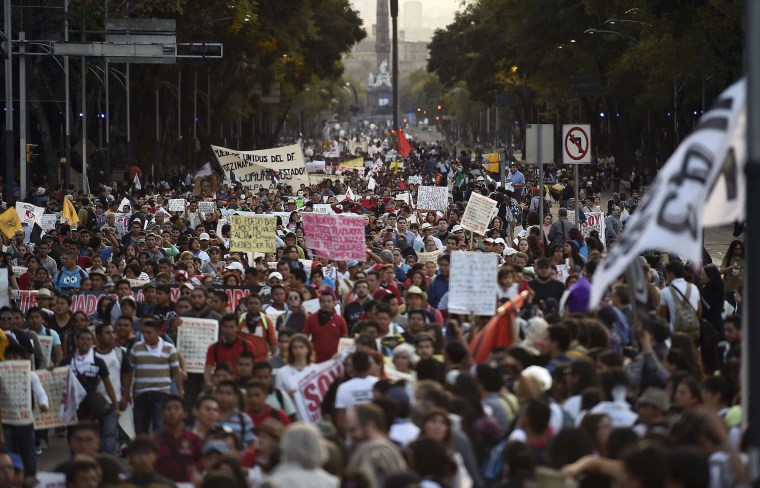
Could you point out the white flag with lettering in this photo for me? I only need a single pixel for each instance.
(708, 166)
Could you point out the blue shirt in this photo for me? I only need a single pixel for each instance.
(517, 178)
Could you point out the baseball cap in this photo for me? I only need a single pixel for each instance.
(509, 251)
(44, 293)
(540, 375)
(489, 240)
(235, 265)
(656, 397)
(204, 236)
(352, 264)
(457, 228)
(216, 445)
(275, 274)
(426, 225)
(500, 241)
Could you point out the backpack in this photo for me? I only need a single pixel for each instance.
(216, 349)
(58, 275)
(686, 320)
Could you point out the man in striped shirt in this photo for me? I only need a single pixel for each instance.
(155, 362)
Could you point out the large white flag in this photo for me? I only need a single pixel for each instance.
(73, 395)
(204, 171)
(701, 184)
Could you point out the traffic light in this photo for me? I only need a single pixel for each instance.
(31, 153)
(440, 107)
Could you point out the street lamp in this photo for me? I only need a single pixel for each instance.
(605, 31)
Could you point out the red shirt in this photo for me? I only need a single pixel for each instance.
(275, 413)
(220, 352)
(188, 448)
(325, 337)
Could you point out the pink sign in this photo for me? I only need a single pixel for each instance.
(339, 237)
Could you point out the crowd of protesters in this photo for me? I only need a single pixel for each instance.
(634, 394)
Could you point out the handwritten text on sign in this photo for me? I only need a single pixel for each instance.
(473, 284)
(252, 234)
(594, 221)
(433, 198)
(313, 387)
(193, 338)
(253, 169)
(339, 237)
(54, 383)
(177, 205)
(16, 392)
(477, 214)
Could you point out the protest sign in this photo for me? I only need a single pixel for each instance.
(354, 163)
(54, 384)
(594, 221)
(18, 271)
(563, 273)
(428, 257)
(323, 208)
(311, 306)
(415, 180)
(255, 169)
(50, 480)
(16, 392)
(194, 336)
(221, 223)
(252, 234)
(48, 221)
(473, 284)
(571, 216)
(312, 388)
(28, 214)
(433, 198)
(46, 343)
(177, 204)
(206, 207)
(315, 166)
(339, 237)
(346, 344)
(477, 214)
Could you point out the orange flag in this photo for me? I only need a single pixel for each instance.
(404, 148)
(498, 330)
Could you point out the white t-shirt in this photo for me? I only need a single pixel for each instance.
(287, 377)
(666, 297)
(113, 361)
(355, 392)
(619, 412)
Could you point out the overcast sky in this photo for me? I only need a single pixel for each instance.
(435, 13)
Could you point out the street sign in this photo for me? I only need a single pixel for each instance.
(576, 141)
(539, 143)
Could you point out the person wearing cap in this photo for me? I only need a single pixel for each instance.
(543, 285)
(143, 455)
(178, 449)
(426, 230)
(417, 299)
(652, 406)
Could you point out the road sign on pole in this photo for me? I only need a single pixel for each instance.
(576, 141)
(539, 143)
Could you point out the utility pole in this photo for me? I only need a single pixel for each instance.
(394, 20)
(67, 88)
(22, 125)
(10, 164)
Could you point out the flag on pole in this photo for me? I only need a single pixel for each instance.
(69, 212)
(73, 394)
(404, 148)
(350, 197)
(138, 186)
(672, 214)
(36, 236)
(204, 171)
(10, 222)
(498, 330)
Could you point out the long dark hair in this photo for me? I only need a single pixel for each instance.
(730, 252)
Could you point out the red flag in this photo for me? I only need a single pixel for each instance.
(498, 330)
(404, 148)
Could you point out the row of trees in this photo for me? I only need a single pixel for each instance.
(641, 72)
(293, 47)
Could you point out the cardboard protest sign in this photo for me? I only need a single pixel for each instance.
(206, 207)
(477, 214)
(48, 221)
(16, 392)
(563, 272)
(415, 180)
(312, 388)
(433, 198)
(346, 344)
(354, 163)
(28, 214)
(177, 205)
(194, 336)
(473, 283)
(18, 271)
(46, 343)
(315, 166)
(252, 234)
(4, 286)
(323, 208)
(339, 237)
(265, 168)
(594, 221)
(54, 384)
(428, 257)
(311, 306)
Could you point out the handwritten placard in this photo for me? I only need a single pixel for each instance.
(18, 271)
(252, 234)
(433, 198)
(324, 209)
(16, 392)
(477, 214)
(206, 208)
(54, 384)
(428, 257)
(473, 283)
(48, 221)
(415, 180)
(194, 336)
(177, 205)
(46, 343)
(339, 237)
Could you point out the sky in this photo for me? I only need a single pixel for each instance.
(435, 13)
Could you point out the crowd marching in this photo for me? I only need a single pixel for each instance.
(167, 359)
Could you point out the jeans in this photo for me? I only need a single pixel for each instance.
(194, 386)
(109, 432)
(147, 411)
(20, 439)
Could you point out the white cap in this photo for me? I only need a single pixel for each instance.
(456, 228)
(236, 266)
(275, 274)
(204, 236)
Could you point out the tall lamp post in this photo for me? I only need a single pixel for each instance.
(394, 20)
(10, 164)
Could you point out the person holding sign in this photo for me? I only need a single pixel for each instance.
(19, 437)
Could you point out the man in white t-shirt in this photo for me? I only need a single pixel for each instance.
(674, 273)
(120, 374)
(357, 390)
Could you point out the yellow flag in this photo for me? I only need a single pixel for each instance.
(69, 212)
(10, 222)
